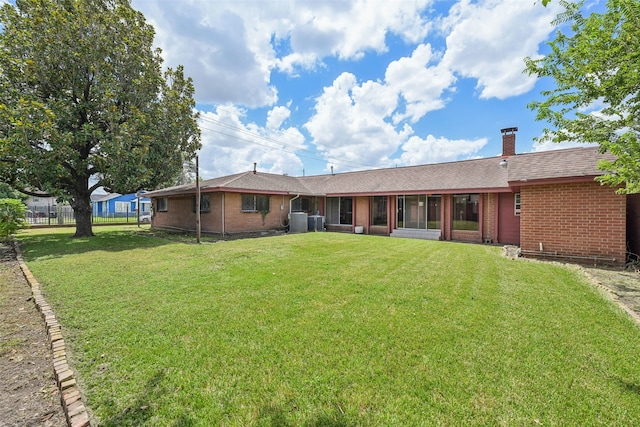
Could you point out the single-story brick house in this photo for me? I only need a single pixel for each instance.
(547, 203)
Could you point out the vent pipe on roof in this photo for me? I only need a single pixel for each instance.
(331, 169)
(254, 167)
(509, 141)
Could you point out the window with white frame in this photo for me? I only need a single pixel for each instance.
(122, 207)
(516, 204)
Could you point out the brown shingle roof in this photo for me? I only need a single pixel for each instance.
(441, 177)
(479, 175)
(244, 181)
(556, 164)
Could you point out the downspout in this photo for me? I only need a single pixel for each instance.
(222, 208)
(443, 217)
(290, 203)
(291, 207)
(391, 217)
(449, 217)
(354, 216)
(481, 216)
(280, 213)
(496, 217)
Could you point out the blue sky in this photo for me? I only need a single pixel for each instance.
(300, 86)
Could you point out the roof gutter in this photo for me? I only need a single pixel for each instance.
(550, 181)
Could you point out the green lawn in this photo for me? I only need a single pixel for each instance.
(328, 329)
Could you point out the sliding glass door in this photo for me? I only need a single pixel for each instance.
(419, 211)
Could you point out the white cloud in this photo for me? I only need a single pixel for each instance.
(420, 84)
(231, 146)
(214, 46)
(347, 29)
(277, 116)
(547, 145)
(488, 41)
(228, 47)
(418, 151)
(232, 48)
(349, 126)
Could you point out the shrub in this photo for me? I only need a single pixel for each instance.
(12, 217)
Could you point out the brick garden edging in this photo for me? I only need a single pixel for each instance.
(70, 397)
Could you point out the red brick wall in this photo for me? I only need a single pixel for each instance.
(445, 217)
(578, 219)
(361, 209)
(212, 221)
(237, 221)
(466, 236)
(488, 217)
(179, 215)
(378, 230)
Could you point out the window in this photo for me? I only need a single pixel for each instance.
(339, 210)
(465, 212)
(516, 204)
(205, 204)
(301, 204)
(379, 210)
(122, 207)
(255, 203)
(162, 204)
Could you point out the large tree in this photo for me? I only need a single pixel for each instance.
(7, 192)
(84, 102)
(595, 64)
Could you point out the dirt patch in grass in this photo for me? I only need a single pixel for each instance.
(624, 285)
(28, 392)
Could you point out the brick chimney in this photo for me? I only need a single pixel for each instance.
(508, 141)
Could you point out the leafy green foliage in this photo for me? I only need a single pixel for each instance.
(596, 63)
(82, 95)
(12, 218)
(7, 192)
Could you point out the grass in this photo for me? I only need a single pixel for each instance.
(328, 329)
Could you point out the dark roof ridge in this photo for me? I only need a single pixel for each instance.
(477, 159)
(402, 167)
(557, 150)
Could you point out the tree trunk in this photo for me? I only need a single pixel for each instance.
(83, 221)
(81, 204)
